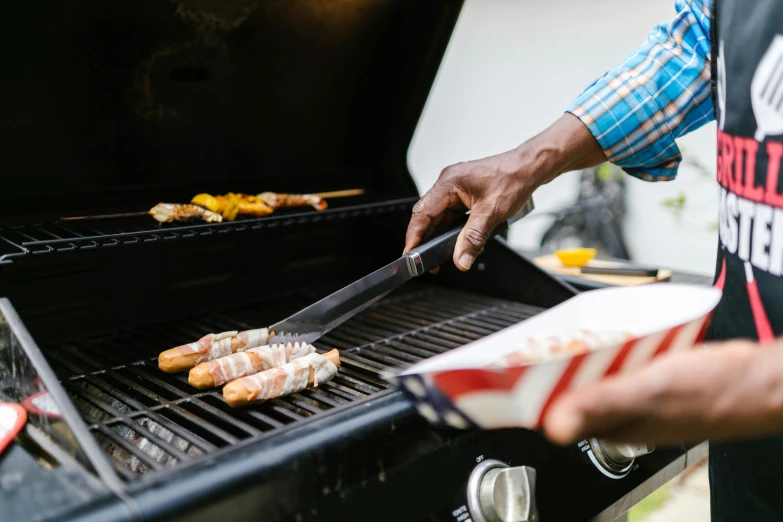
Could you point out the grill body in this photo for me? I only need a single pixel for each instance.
(116, 107)
(352, 450)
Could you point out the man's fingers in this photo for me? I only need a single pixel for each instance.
(472, 239)
(427, 213)
(604, 408)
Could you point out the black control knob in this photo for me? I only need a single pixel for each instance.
(618, 458)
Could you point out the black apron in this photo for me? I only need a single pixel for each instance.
(746, 477)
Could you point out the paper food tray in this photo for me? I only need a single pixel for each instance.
(457, 388)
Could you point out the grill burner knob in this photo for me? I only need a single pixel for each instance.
(618, 458)
(499, 493)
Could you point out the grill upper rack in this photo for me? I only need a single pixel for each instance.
(148, 421)
(64, 236)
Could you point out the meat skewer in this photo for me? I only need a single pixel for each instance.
(275, 200)
(253, 360)
(309, 371)
(165, 212)
(253, 206)
(214, 209)
(228, 206)
(209, 347)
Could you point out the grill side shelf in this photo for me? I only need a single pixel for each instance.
(152, 424)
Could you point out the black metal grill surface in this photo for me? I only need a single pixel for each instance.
(64, 236)
(150, 421)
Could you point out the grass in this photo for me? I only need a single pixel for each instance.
(650, 504)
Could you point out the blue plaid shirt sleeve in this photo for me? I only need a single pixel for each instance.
(659, 93)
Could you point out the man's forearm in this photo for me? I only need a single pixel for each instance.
(565, 146)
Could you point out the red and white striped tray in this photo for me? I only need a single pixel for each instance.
(12, 419)
(458, 389)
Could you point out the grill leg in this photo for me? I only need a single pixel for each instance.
(622, 518)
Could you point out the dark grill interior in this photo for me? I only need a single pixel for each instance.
(64, 236)
(148, 421)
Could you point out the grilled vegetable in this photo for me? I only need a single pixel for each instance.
(207, 201)
(229, 206)
(253, 206)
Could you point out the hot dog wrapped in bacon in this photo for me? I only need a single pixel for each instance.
(209, 347)
(573, 343)
(253, 360)
(312, 371)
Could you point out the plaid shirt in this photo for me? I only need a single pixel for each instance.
(659, 93)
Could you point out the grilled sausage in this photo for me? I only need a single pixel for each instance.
(308, 371)
(211, 346)
(253, 360)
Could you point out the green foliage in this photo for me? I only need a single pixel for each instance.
(605, 171)
(650, 504)
(676, 203)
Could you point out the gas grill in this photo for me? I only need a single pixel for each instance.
(113, 108)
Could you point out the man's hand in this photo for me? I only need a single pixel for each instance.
(730, 390)
(494, 189)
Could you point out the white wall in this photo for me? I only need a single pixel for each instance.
(511, 69)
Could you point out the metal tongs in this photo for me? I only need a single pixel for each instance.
(309, 324)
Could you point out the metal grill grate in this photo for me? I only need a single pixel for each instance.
(147, 420)
(63, 236)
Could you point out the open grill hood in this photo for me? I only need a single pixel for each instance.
(117, 106)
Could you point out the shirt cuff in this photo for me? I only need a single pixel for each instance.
(630, 128)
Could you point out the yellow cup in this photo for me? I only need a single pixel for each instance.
(575, 257)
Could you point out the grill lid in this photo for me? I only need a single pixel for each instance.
(119, 106)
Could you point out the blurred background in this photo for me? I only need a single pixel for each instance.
(512, 68)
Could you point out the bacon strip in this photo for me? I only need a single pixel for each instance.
(253, 360)
(573, 343)
(311, 370)
(209, 347)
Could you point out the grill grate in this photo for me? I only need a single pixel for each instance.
(148, 421)
(64, 236)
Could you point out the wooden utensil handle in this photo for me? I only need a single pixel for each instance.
(339, 193)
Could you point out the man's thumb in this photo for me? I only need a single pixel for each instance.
(471, 240)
